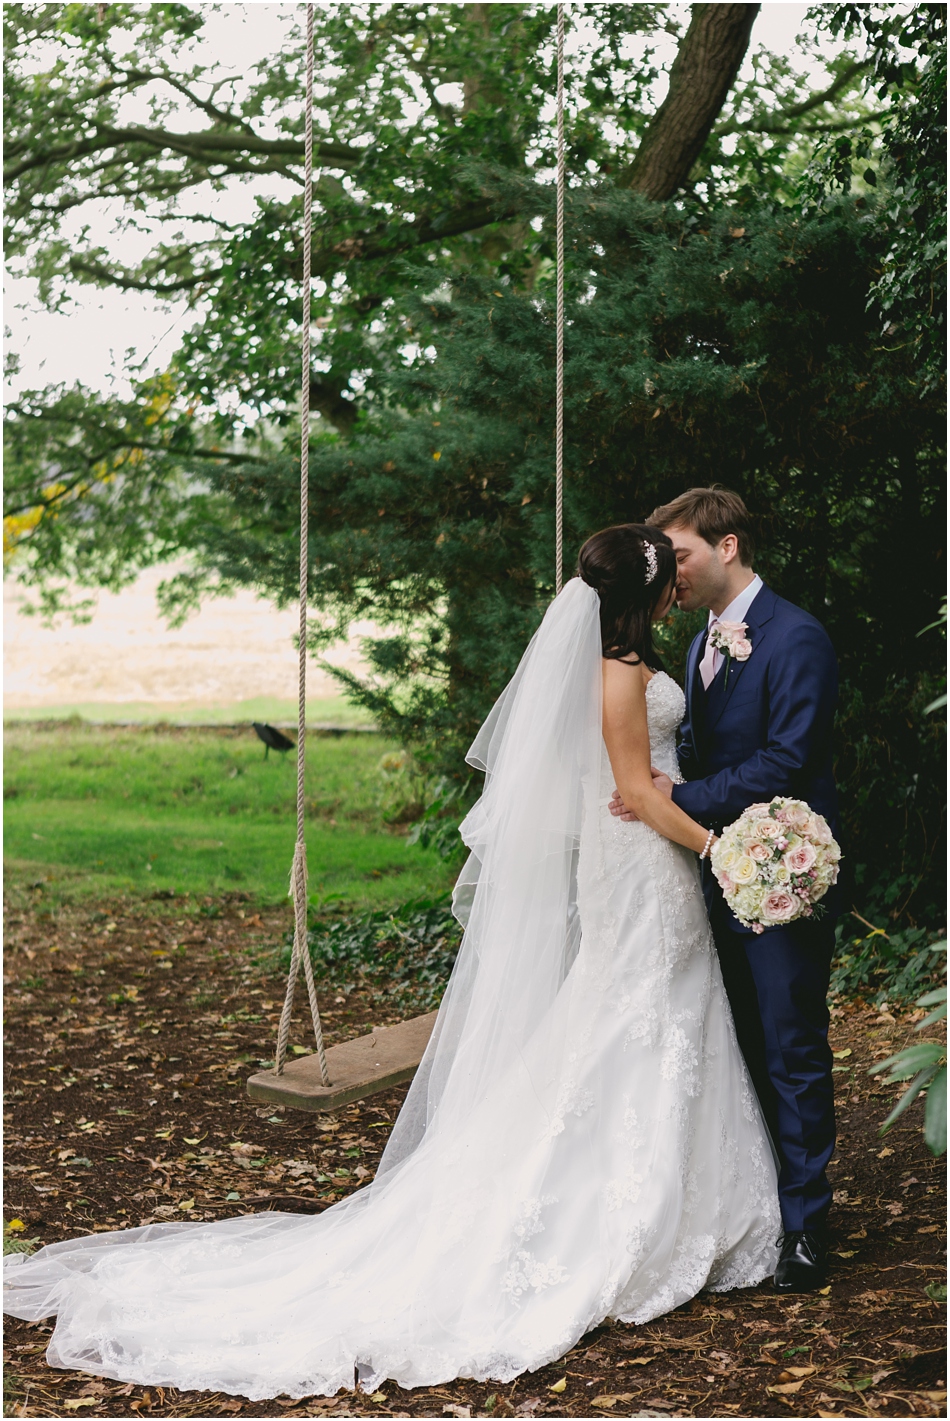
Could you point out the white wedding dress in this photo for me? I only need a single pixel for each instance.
(581, 1143)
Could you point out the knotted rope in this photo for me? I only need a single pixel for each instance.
(298, 873)
(559, 329)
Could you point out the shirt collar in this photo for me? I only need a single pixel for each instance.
(739, 606)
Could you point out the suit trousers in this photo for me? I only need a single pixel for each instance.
(777, 984)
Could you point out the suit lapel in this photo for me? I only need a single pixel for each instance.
(694, 684)
(757, 618)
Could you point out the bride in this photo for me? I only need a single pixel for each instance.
(581, 1141)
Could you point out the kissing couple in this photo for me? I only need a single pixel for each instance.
(627, 1096)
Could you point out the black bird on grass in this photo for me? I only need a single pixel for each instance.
(273, 739)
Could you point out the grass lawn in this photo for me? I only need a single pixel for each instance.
(93, 810)
(332, 710)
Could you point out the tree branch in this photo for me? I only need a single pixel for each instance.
(702, 74)
(771, 123)
(205, 145)
(79, 267)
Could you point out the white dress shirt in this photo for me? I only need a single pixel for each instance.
(735, 612)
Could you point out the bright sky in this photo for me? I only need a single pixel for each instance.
(90, 340)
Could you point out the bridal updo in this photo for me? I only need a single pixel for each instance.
(631, 567)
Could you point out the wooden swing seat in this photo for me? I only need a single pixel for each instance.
(387, 1057)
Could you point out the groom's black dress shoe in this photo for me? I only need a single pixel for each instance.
(801, 1264)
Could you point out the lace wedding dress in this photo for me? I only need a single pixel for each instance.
(581, 1142)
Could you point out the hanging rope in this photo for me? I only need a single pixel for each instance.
(559, 332)
(298, 873)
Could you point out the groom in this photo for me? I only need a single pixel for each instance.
(757, 728)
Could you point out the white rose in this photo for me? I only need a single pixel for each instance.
(725, 858)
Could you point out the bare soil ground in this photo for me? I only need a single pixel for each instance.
(130, 1031)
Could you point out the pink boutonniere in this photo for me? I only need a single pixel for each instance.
(730, 638)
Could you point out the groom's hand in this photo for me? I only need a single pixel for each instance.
(619, 810)
(662, 782)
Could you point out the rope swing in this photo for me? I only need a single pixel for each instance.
(559, 324)
(257, 1086)
(298, 873)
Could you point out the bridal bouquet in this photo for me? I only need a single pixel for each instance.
(775, 862)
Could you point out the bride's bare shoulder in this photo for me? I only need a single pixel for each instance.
(626, 679)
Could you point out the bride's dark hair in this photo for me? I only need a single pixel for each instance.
(616, 564)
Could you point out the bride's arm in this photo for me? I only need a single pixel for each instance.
(627, 738)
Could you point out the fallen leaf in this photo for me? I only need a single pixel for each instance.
(846, 1252)
(841, 1055)
(74, 1402)
(786, 1388)
(638, 1361)
(611, 1399)
(559, 1386)
(930, 1229)
(825, 1291)
(186, 1205)
(790, 1373)
(16, 1226)
(885, 1152)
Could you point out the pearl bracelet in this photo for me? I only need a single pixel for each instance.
(709, 838)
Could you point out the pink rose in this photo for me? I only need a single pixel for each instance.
(779, 907)
(742, 649)
(768, 829)
(819, 831)
(759, 852)
(801, 859)
(725, 882)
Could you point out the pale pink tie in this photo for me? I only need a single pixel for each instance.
(707, 667)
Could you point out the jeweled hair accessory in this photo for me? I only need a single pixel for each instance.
(649, 552)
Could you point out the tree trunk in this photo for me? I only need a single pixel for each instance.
(703, 72)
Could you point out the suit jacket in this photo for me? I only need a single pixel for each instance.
(765, 730)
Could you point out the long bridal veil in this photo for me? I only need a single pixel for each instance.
(517, 894)
(282, 1303)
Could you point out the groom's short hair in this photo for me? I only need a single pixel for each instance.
(713, 513)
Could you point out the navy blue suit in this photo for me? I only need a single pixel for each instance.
(766, 730)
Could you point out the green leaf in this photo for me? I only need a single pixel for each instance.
(935, 1114)
(937, 1292)
(908, 1098)
(937, 1015)
(911, 1059)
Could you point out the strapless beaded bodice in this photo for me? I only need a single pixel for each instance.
(666, 706)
